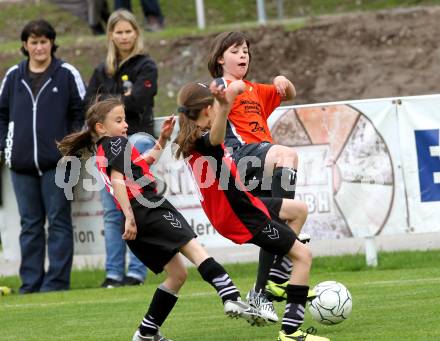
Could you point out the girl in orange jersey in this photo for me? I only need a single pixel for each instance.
(273, 167)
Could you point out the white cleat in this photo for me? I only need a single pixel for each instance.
(259, 301)
(240, 309)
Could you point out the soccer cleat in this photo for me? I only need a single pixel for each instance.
(277, 292)
(158, 337)
(236, 309)
(301, 335)
(259, 301)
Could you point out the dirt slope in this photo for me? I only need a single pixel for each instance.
(365, 55)
(353, 56)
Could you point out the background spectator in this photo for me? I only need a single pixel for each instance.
(130, 72)
(98, 14)
(154, 19)
(41, 101)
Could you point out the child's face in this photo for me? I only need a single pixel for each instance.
(114, 123)
(235, 61)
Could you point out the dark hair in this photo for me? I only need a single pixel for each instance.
(192, 98)
(39, 28)
(219, 45)
(79, 143)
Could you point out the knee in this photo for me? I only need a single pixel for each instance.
(303, 255)
(287, 156)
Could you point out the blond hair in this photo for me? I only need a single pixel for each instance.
(111, 61)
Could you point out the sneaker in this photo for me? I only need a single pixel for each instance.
(111, 283)
(259, 301)
(301, 335)
(277, 292)
(158, 337)
(128, 280)
(236, 309)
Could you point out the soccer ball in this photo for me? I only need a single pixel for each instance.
(332, 304)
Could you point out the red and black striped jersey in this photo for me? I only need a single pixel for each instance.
(233, 211)
(117, 153)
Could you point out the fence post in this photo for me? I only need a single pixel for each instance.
(280, 9)
(370, 251)
(261, 12)
(200, 9)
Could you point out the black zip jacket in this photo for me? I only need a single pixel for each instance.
(31, 125)
(142, 72)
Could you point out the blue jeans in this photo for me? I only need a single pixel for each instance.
(39, 197)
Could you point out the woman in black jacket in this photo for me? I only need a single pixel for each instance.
(129, 72)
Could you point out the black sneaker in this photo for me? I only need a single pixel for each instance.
(128, 280)
(110, 283)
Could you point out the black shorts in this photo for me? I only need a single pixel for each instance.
(252, 176)
(277, 237)
(161, 232)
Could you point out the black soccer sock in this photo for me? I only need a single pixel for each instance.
(213, 273)
(295, 308)
(281, 269)
(161, 305)
(264, 265)
(283, 183)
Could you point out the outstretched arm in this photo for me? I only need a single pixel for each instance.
(224, 98)
(285, 88)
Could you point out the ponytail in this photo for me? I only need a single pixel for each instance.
(77, 144)
(82, 143)
(189, 132)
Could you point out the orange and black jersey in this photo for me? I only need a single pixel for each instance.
(247, 120)
(117, 153)
(234, 212)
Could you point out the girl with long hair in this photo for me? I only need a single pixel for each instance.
(154, 230)
(233, 211)
(129, 72)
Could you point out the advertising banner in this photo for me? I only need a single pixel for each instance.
(365, 168)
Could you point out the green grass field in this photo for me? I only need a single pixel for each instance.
(397, 301)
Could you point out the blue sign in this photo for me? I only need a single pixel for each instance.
(428, 157)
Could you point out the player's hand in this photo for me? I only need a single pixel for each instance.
(281, 83)
(237, 87)
(130, 229)
(168, 127)
(218, 90)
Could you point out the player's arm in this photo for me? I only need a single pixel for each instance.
(224, 98)
(121, 196)
(285, 88)
(154, 154)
